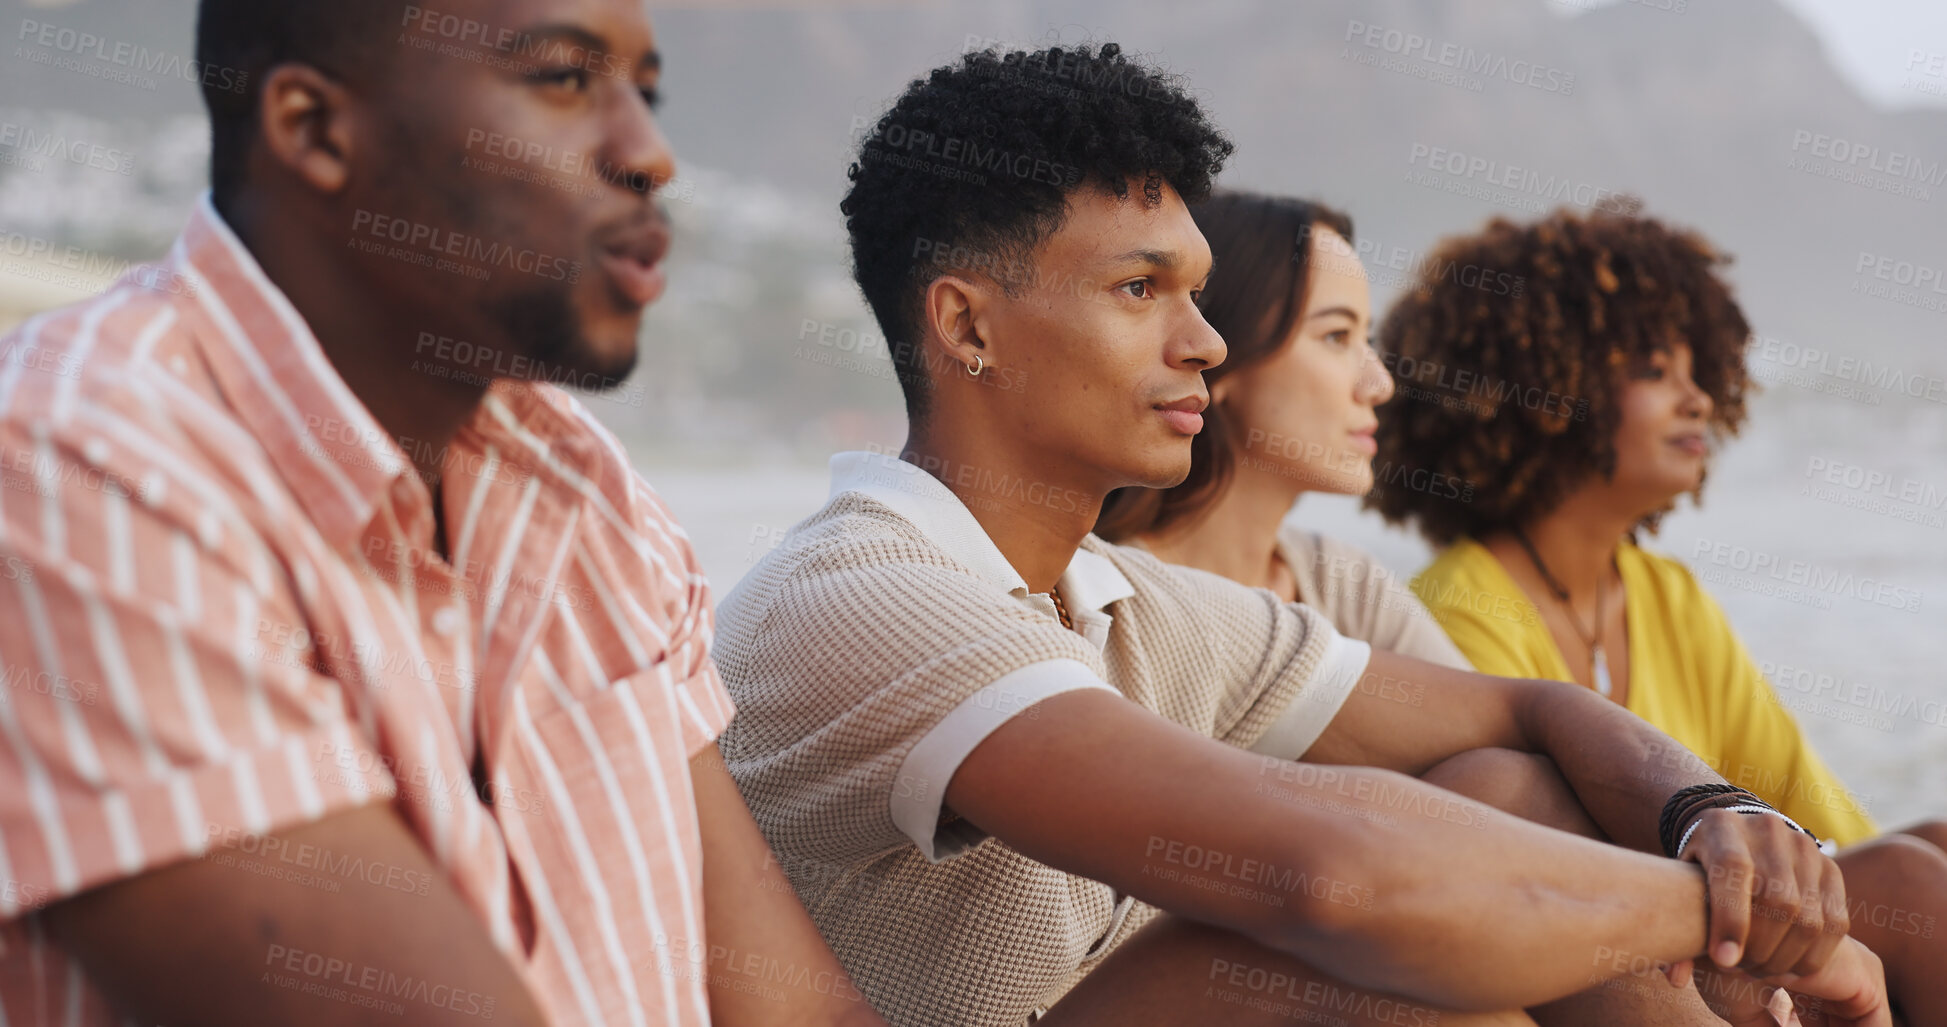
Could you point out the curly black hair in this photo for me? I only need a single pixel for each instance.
(971, 168)
(1515, 389)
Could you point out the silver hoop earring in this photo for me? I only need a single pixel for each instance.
(979, 365)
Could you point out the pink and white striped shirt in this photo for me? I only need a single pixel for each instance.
(222, 616)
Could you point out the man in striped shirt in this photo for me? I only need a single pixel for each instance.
(347, 672)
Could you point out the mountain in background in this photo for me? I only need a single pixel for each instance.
(1700, 113)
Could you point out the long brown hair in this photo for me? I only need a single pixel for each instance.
(1262, 250)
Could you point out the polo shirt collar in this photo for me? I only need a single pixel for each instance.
(1091, 581)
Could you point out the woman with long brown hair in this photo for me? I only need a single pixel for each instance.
(1292, 410)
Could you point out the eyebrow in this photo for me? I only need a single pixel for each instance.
(1165, 259)
(1329, 311)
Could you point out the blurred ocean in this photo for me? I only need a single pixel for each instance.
(1824, 532)
(1838, 591)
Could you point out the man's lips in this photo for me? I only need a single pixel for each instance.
(1185, 415)
(1365, 440)
(633, 262)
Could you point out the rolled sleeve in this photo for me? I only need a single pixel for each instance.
(919, 792)
(1308, 713)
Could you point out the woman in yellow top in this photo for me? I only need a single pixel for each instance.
(1578, 409)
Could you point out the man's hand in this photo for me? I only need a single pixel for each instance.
(1850, 990)
(1777, 904)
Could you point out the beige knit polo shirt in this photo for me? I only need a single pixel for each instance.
(886, 636)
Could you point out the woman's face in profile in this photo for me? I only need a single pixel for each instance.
(1663, 435)
(1307, 412)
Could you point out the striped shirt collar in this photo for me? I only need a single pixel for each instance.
(330, 451)
(1091, 581)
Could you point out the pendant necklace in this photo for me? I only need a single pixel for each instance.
(1599, 667)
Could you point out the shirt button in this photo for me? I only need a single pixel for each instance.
(447, 620)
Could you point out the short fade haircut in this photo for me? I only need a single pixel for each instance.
(972, 166)
(251, 37)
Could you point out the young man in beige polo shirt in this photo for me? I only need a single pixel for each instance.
(1015, 772)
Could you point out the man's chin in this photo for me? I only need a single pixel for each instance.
(1162, 471)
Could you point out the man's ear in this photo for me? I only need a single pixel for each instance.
(306, 122)
(953, 307)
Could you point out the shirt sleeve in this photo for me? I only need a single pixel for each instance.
(156, 691)
(864, 679)
(1761, 745)
(1278, 663)
(919, 796)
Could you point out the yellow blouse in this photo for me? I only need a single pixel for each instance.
(1688, 674)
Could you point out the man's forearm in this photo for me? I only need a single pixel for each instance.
(1369, 875)
(1489, 911)
(210, 941)
(1622, 768)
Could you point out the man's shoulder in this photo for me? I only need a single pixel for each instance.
(852, 543)
(116, 353)
(113, 390)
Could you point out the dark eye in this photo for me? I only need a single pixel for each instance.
(572, 80)
(653, 97)
(1141, 284)
(1340, 337)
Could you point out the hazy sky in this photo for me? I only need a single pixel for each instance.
(1873, 42)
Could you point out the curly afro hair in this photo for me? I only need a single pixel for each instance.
(971, 168)
(1510, 349)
